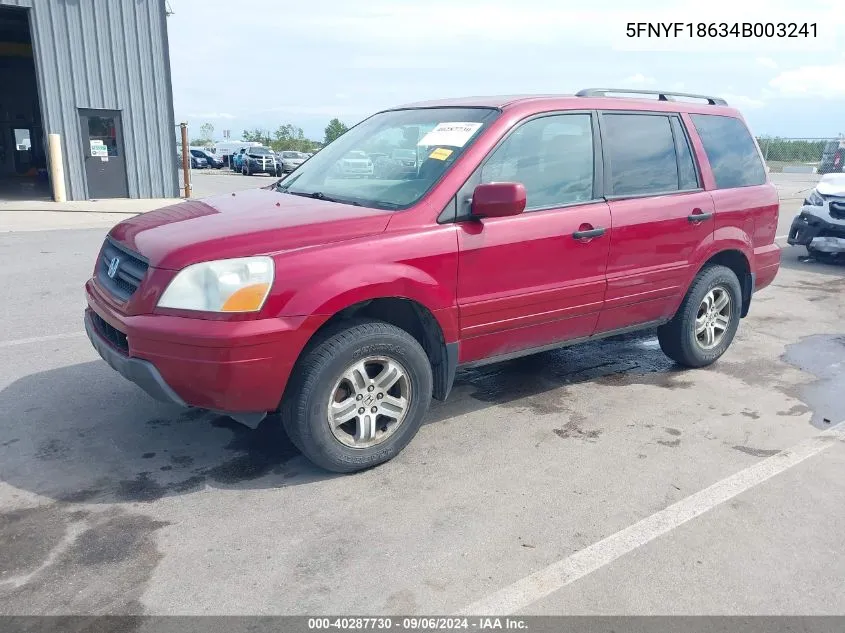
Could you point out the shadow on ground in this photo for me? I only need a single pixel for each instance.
(82, 434)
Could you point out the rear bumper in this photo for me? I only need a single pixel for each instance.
(236, 367)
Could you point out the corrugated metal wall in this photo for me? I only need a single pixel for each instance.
(113, 55)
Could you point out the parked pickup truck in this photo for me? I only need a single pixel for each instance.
(530, 223)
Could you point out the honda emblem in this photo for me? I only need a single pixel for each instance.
(113, 264)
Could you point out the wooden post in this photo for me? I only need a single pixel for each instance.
(186, 159)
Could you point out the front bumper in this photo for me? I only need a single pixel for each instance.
(267, 168)
(235, 367)
(141, 372)
(810, 230)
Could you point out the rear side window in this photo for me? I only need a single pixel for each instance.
(730, 150)
(641, 152)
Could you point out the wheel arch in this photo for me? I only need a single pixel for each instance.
(738, 262)
(411, 316)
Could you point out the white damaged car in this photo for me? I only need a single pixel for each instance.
(820, 225)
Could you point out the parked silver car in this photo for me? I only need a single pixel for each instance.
(291, 160)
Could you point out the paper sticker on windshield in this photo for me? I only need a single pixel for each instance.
(455, 134)
(440, 153)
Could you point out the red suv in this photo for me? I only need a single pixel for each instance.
(533, 222)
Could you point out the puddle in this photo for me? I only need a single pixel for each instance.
(536, 381)
(822, 355)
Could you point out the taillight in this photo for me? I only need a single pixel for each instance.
(837, 159)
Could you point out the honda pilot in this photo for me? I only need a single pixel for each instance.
(529, 223)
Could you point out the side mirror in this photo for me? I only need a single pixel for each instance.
(498, 199)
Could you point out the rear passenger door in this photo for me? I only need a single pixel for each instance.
(660, 215)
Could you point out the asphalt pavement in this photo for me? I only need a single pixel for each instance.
(599, 479)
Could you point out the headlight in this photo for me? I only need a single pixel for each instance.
(814, 199)
(226, 285)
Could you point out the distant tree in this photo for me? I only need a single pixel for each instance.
(335, 129)
(290, 137)
(257, 135)
(207, 131)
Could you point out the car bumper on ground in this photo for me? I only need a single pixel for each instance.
(235, 367)
(817, 233)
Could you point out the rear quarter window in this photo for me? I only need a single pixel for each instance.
(730, 150)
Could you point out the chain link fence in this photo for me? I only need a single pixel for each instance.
(803, 155)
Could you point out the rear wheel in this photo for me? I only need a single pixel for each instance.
(705, 324)
(358, 397)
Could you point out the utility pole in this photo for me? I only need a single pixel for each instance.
(186, 159)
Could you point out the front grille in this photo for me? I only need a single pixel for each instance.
(837, 209)
(128, 274)
(111, 334)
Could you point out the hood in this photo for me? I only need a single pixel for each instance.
(832, 185)
(252, 222)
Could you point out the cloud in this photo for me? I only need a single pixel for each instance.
(767, 62)
(743, 102)
(639, 81)
(811, 81)
(212, 115)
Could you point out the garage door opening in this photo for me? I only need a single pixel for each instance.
(23, 160)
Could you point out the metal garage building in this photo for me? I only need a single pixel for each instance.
(97, 73)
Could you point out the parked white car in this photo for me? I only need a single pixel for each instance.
(355, 164)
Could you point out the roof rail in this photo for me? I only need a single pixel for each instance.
(662, 95)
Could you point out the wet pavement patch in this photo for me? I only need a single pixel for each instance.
(822, 355)
(670, 443)
(756, 452)
(54, 560)
(536, 381)
(266, 449)
(572, 429)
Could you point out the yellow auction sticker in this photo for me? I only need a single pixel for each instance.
(440, 154)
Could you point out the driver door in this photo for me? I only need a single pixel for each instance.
(539, 278)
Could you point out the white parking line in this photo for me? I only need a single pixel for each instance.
(546, 581)
(40, 339)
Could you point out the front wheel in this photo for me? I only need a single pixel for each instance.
(705, 324)
(358, 397)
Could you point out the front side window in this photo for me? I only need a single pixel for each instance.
(641, 152)
(731, 151)
(552, 156)
(356, 168)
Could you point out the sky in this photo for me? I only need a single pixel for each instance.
(264, 63)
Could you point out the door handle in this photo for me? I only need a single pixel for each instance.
(590, 233)
(697, 216)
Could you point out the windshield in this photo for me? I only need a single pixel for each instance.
(352, 169)
(292, 155)
(258, 150)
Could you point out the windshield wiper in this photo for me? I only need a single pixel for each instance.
(319, 195)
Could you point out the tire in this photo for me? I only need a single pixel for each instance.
(678, 338)
(319, 379)
(245, 170)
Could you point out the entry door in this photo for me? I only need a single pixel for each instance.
(537, 278)
(103, 150)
